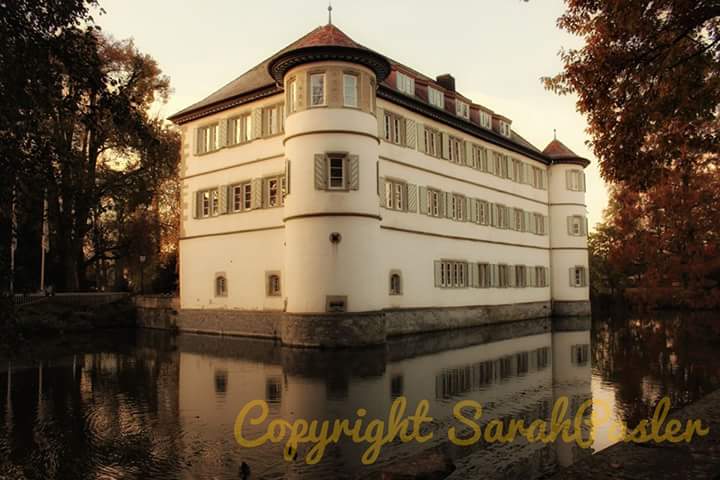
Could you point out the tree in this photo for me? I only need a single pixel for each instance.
(648, 80)
(650, 242)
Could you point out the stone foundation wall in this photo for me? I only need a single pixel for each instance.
(331, 330)
(571, 309)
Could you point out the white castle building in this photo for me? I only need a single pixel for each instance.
(332, 196)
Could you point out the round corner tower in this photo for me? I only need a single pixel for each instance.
(568, 231)
(332, 220)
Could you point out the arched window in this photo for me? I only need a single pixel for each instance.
(273, 284)
(220, 286)
(395, 283)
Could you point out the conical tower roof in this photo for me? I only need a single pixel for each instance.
(560, 153)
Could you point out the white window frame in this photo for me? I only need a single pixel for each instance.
(433, 201)
(453, 274)
(436, 98)
(485, 119)
(394, 128)
(241, 192)
(458, 205)
(395, 195)
(343, 162)
(456, 149)
(579, 276)
(405, 84)
(505, 129)
(292, 95)
(321, 76)
(279, 194)
(272, 120)
(462, 109)
(351, 101)
(576, 180)
(210, 140)
(242, 131)
(433, 142)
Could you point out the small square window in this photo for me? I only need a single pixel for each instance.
(272, 283)
(336, 303)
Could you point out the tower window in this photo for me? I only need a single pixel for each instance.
(220, 285)
(336, 172)
(350, 90)
(395, 283)
(578, 277)
(317, 89)
(292, 95)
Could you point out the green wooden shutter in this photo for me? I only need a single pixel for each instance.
(412, 198)
(494, 277)
(568, 179)
(256, 188)
(572, 276)
(287, 177)
(474, 275)
(421, 137)
(257, 123)
(198, 142)
(223, 199)
(353, 163)
(583, 277)
(383, 191)
(423, 200)
(410, 133)
(445, 145)
(321, 179)
(437, 268)
(222, 133)
(585, 224)
(380, 114)
(447, 198)
(472, 210)
(195, 206)
(582, 181)
(469, 154)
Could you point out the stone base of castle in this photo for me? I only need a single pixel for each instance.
(344, 330)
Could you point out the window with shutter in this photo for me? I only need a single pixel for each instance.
(257, 193)
(423, 200)
(412, 198)
(353, 167)
(445, 146)
(321, 169)
(223, 199)
(410, 133)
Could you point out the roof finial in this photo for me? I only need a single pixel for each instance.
(329, 12)
(555, 133)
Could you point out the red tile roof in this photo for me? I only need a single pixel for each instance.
(557, 149)
(329, 35)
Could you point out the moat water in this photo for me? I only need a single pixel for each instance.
(150, 405)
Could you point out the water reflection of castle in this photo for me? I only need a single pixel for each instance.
(513, 371)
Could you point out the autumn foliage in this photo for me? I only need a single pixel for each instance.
(648, 81)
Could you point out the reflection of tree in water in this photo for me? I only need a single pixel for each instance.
(113, 414)
(648, 357)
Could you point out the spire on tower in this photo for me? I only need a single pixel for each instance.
(329, 12)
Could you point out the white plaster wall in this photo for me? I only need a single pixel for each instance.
(562, 261)
(414, 255)
(231, 222)
(244, 258)
(229, 156)
(315, 267)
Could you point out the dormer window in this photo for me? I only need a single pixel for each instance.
(485, 119)
(405, 84)
(504, 128)
(436, 98)
(462, 109)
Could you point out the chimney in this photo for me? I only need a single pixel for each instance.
(447, 81)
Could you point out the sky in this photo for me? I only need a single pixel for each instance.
(497, 50)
